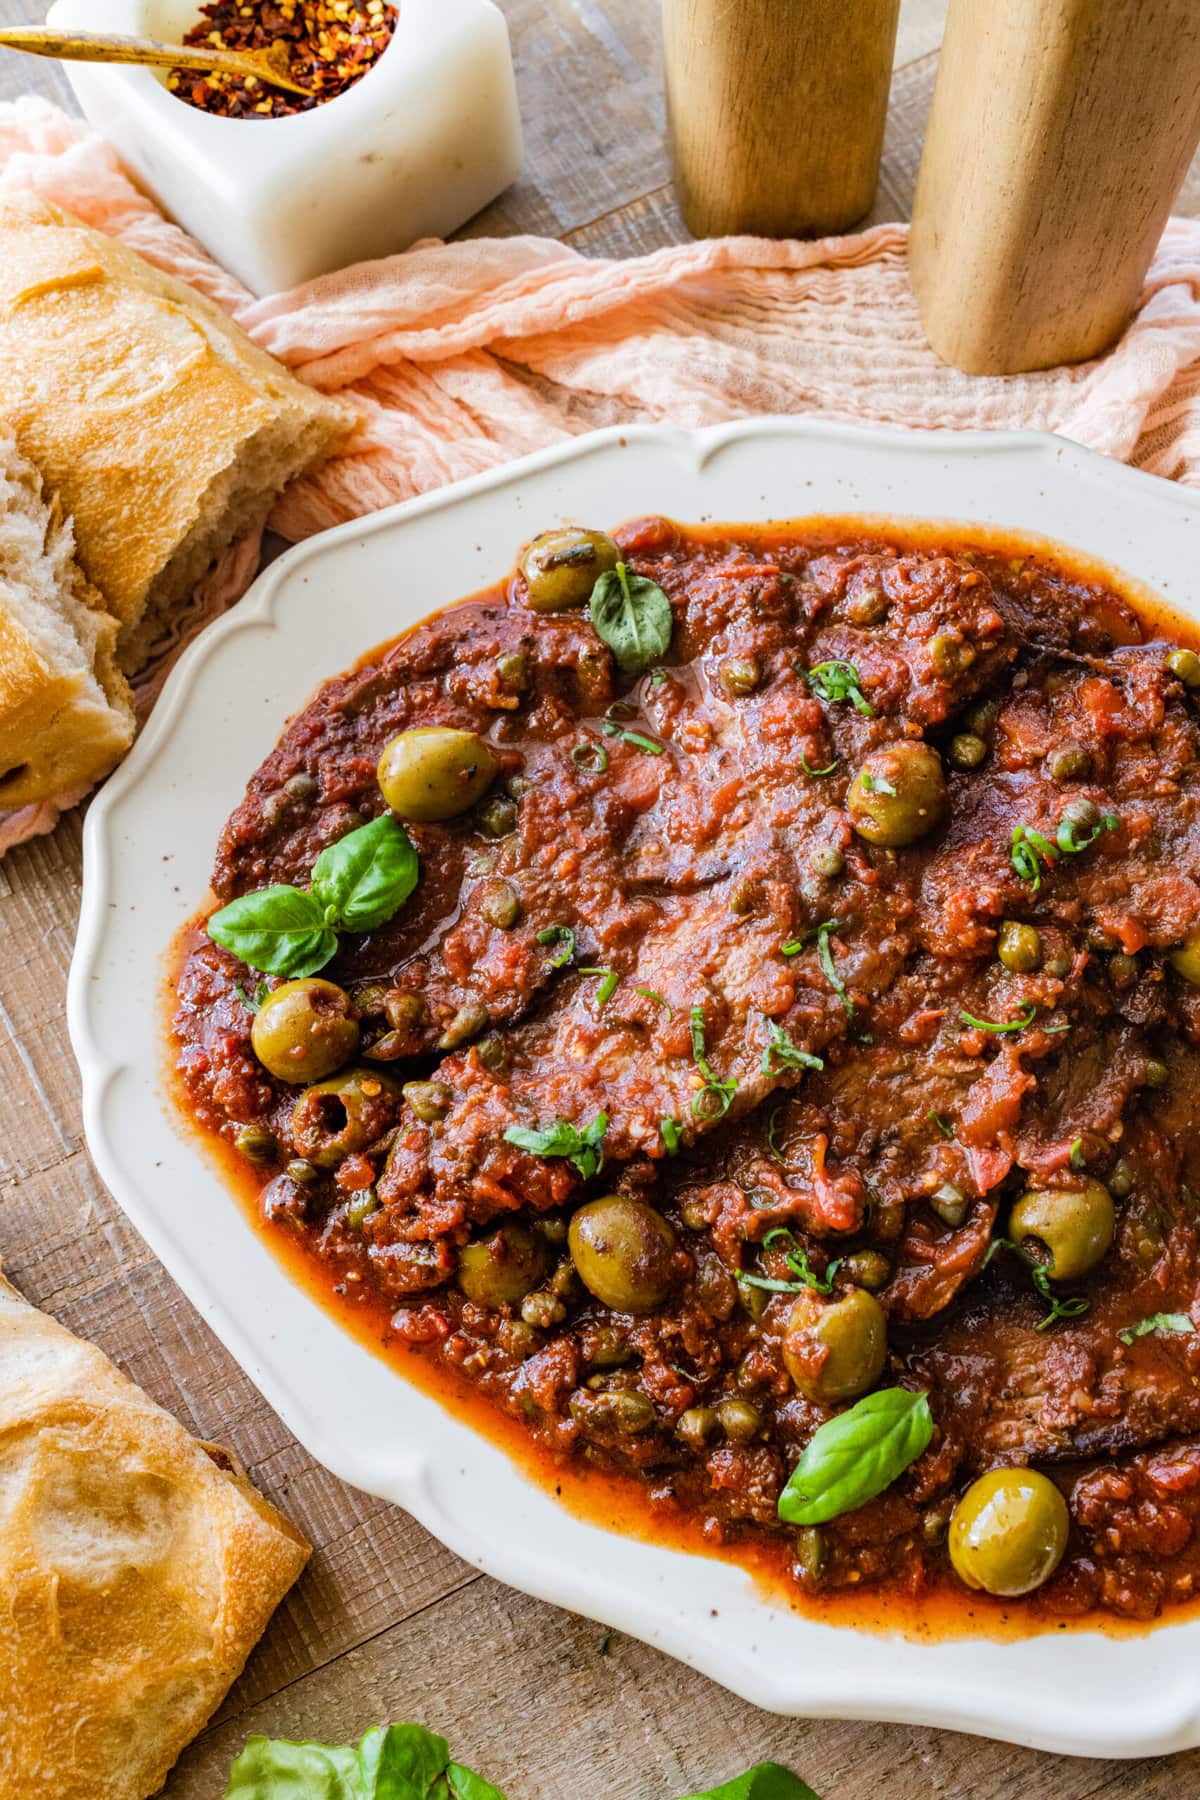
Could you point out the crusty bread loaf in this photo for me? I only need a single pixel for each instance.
(66, 715)
(165, 432)
(137, 1571)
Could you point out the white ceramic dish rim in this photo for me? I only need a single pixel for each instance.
(1083, 1693)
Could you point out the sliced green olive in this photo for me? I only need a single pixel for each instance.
(898, 795)
(335, 1119)
(1009, 1532)
(304, 1030)
(1186, 960)
(562, 567)
(503, 1267)
(835, 1349)
(434, 772)
(623, 1251)
(1019, 947)
(1075, 1225)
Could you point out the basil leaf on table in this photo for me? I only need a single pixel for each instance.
(855, 1456)
(358, 883)
(280, 930)
(391, 1762)
(766, 1781)
(367, 875)
(633, 617)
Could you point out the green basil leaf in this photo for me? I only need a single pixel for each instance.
(466, 1785)
(852, 1458)
(1157, 1322)
(583, 1149)
(403, 1762)
(766, 1781)
(633, 617)
(280, 930)
(273, 1769)
(367, 875)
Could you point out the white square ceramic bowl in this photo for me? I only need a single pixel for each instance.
(147, 855)
(425, 139)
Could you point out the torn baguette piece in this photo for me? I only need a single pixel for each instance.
(66, 713)
(165, 431)
(138, 1569)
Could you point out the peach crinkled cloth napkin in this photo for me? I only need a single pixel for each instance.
(463, 356)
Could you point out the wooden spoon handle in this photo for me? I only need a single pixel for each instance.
(96, 46)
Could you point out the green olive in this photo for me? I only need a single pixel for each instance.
(1070, 762)
(500, 1269)
(1186, 665)
(623, 1251)
(304, 1030)
(562, 567)
(1075, 1224)
(1186, 960)
(835, 1349)
(434, 772)
(898, 795)
(339, 1118)
(1009, 1532)
(1019, 947)
(966, 751)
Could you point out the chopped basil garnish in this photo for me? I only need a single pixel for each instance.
(793, 947)
(1077, 1159)
(633, 617)
(1157, 1322)
(854, 1456)
(943, 1124)
(827, 770)
(653, 994)
(1072, 1307)
(786, 1055)
(1072, 837)
(591, 758)
(772, 1146)
(1030, 850)
(835, 682)
(825, 958)
(558, 934)
(672, 1136)
(1027, 1016)
(253, 1001)
(875, 784)
(584, 1150)
(636, 738)
(608, 986)
(719, 1093)
(357, 884)
(796, 1257)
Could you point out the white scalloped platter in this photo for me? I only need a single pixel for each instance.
(149, 844)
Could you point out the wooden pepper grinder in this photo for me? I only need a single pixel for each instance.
(776, 111)
(1060, 133)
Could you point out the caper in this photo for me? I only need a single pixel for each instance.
(868, 1269)
(812, 1553)
(631, 1411)
(258, 1142)
(492, 1053)
(624, 1252)
(1075, 1224)
(608, 1348)
(743, 896)
(370, 1002)
(553, 1230)
(503, 1267)
(898, 795)
(499, 903)
(1019, 947)
(966, 751)
(433, 772)
(1186, 959)
(497, 817)
(1083, 814)
(740, 1421)
(1070, 762)
(835, 1349)
(936, 1522)
(740, 675)
(562, 567)
(950, 655)
(302, 1172)
(867, 607)
(1122, 970)
(542, 1310)
(361, 1206)
(980, 717)
(1009, 1532)
(516, 1338)
(405, 1010)
(1120, 1180)
(950, 1204)
(1156, 1074)
(827, 861)
(1058, 966)
(429, 1100)
(1186, 665)
(300, 787)
(517, 786)
(304, 1030)
(696, 1425)
(341, 1117)
(467, 1023)
(513, 671)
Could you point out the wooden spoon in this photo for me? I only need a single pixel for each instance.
(271, 66)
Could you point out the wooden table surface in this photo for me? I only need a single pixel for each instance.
(386, 1624)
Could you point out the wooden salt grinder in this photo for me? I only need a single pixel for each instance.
(776, 111)
(1060, 132)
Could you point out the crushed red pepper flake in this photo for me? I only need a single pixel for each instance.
(331, 43)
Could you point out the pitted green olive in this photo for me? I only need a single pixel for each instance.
(898, 795)
(434, 772)
(623, 1251)
(1009, 1532)
(338, 1118)
(1075, 1224)
(1186, 959)
(500, 1269)
(304, 1030)
(835, 1349)
(562, 567)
